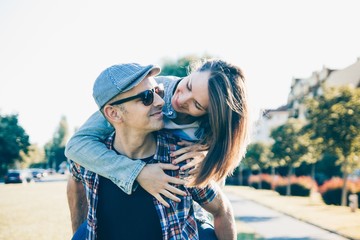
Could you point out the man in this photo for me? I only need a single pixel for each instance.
(129, 98)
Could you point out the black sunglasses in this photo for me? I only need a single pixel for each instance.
(147, 96)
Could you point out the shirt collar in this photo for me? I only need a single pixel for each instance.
(170, 84)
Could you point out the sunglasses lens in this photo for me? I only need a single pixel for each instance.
(148, 98)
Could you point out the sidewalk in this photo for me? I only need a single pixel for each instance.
(335, 219)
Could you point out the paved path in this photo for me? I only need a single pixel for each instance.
(273, 225)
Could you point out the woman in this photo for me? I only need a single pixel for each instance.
(209, 106)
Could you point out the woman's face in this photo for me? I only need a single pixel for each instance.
(191, 95)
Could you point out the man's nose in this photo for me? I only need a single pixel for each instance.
(158, 101)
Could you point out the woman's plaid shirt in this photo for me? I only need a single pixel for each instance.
(178, 221)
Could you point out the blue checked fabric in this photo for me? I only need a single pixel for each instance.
(178, 221)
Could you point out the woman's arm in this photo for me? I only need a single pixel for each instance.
(87, 148)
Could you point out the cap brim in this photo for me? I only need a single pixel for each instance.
(154, 71)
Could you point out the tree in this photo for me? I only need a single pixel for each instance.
(314, 148)
(13, 141)
(180, 67)
(335, 117)
(54, 149)
(34, 157)
(287, 149)
(256, 157)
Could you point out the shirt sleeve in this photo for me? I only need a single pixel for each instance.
(86, 147)
(204, 195)
(75, 171)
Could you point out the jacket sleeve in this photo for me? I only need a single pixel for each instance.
(86, 147)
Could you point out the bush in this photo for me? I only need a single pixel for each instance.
(296, 190)
(331, 190)
(281, 189)
(299, 190)
(264, 185)
(300, 186)
(332, 196)
(265, 180)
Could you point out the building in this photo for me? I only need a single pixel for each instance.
(302, 88)
(268, 120)
(311, 87)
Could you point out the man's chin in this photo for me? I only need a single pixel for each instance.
(158, 126)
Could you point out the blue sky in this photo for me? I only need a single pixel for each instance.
(52, 51)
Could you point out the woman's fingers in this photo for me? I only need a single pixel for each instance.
(191, 163)
(161, 200)
(170, 195)
(191, 148)
(184, 143)
(181, 151)
(199, 156)
(194, 171)
(185, 156)
(155, 181)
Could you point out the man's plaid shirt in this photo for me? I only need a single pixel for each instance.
(178, 221)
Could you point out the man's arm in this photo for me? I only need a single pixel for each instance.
(224, 221)
(77, 203)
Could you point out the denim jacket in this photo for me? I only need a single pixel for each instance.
(86, 147)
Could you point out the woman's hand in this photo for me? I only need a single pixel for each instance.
(192, 154)
(155, 181)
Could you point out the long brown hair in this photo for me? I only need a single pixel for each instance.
(225, 127)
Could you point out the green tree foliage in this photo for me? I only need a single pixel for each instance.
(335, 117)
(54, 149)
(313, 146)
(180, 67)
(34, 157)
(13, 141)
(256, 158)
(287, 149)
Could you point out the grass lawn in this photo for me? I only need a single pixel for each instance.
(34, 211)
(40, 211)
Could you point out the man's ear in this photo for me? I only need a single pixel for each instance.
(112, 113)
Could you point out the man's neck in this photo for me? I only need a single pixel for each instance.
(135, 145)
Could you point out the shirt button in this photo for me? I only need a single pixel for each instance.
(170, 112)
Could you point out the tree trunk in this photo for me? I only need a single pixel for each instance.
(313, 175)
(240, 176)
(288, 187)
(272, 178)
(345, 178)
(313, 171)
(260, 180)
(344, 189)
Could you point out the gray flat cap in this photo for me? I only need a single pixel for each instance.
(119, 79)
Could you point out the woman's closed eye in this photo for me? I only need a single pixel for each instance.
(188, 85)
(198, 106)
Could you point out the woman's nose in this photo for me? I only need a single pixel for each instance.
(184, 99)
